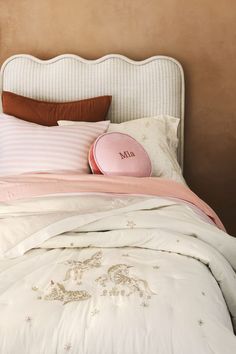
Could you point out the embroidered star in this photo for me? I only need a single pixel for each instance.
(200, 322)
(144, 137)
(118, 203)
(67, 347)
(130, 224)
(28, 319)
(156, 267)
(95, 312)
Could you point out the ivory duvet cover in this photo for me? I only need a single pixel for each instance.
(98, 265)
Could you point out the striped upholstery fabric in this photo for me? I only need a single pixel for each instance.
(27, 147)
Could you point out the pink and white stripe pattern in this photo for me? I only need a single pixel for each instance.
(27, 147)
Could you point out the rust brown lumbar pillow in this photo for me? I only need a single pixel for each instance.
(48, 113)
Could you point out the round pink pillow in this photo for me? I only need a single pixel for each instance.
(118, 154)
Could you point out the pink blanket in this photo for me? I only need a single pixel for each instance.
(33, 185)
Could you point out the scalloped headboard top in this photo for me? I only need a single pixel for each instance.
(138, 88)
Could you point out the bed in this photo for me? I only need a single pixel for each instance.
(93, 264)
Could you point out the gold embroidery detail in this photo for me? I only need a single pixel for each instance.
(156, 267)
(28, 319)
(200, 322)
(118, 281)
(118, 203)
(144, 137)
(130, 224)
(57, 291)
(67, 347)
(114, 292)
(77, 268)
(95, 312)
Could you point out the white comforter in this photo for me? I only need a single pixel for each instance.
(96, 274)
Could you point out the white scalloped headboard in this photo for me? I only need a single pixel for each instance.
(139, 88)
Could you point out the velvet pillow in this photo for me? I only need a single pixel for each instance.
(117, 154)
(48, 113)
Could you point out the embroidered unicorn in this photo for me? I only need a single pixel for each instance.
(78, 268)
(57, 291)
(119, 276)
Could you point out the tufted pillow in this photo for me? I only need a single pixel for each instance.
(118, 154)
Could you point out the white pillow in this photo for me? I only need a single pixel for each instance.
(172, 125)
(27, 147)
(171, 128)
(158, 136)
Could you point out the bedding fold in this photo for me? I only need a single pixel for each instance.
(26, 186)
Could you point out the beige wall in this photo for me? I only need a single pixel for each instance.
(199, 33)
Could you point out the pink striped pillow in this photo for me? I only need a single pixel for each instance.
(27, 147)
